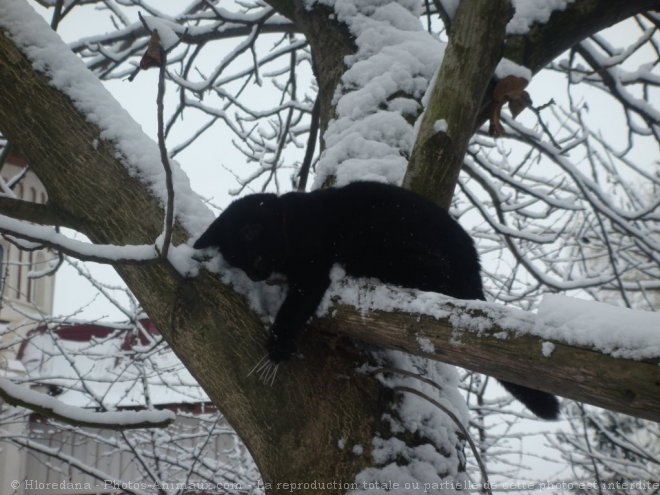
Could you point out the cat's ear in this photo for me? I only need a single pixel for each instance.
(211, 237)
(244, 221)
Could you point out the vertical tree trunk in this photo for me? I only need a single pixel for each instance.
(474, 49)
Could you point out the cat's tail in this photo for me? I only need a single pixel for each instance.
(543, 404)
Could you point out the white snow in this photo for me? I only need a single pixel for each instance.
(44, 401)
(425, 344)
(530, 12)
(507, 67)
(370, 294)
(424, 464)
(167, 31)
(369, 137)
(440, 125)
(547, 348)
(613, 330)
(526, 14)
(404, 106)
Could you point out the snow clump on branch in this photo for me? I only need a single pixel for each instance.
(370, 138)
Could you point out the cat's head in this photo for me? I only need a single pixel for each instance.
(249, 234)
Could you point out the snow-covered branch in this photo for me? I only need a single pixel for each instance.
(50, 407)
(536, 44)
(49, 237)
(591, 352)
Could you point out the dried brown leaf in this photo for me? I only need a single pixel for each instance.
(152, 57)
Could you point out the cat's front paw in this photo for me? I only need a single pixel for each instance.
(280, 349)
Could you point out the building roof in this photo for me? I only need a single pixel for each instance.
(112, 366)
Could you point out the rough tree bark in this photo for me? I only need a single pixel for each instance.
(291, 429)
(467, 67)
(575, 372)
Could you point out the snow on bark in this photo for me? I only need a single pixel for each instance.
(507, 67)
(530, 12)
(613, 330)
(527, 12)
(167, 31)
(369, 139)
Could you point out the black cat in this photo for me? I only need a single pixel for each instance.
(371, 229)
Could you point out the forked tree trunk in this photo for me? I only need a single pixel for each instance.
(292, 428)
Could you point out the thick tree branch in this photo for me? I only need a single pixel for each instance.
(544, 42)
(484, 344)
(44, 214)
(474, 48)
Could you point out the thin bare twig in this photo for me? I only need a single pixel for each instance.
(169, 185)
(311, 146)
(156, 55)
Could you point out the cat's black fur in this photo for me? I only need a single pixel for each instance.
(371, 229)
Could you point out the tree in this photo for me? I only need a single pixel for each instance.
(618, 452)
(363, 111)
